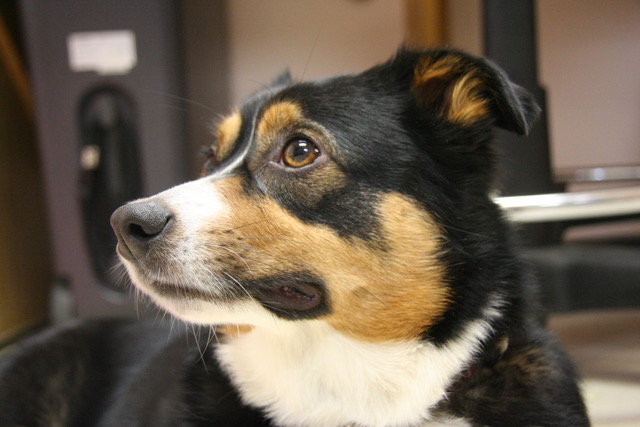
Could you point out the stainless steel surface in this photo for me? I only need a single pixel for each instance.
(599, 174)
(572, 205)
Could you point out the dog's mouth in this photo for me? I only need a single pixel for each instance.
(284, 296)
(291, 295)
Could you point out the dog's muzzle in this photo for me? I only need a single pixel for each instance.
(137, 225)
(147, 232)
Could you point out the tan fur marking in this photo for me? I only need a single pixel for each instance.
(428, 68)
(227, 132)
(467, 106)
(447, 82)
(278, 117)
(399, 292)
(389, 294)
(233, 331)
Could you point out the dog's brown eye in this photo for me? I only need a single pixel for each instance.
(299, 152)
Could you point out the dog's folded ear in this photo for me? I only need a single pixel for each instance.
(465, 89)
(282, 79)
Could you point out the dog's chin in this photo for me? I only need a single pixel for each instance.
(225, 299)
(197, 306)
(191, 309)
(290, 299)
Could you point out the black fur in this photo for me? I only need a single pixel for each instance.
(118, 373)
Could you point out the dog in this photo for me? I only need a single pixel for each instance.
(343, 239)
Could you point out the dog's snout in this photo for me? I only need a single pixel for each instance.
(137, 224)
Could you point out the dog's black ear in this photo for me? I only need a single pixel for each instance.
(465, 89)
(282, 79)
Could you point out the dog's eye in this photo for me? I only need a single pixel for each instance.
(299, 152)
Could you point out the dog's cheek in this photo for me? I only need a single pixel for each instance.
(257, 238)
(301, 190)
(391, 288)
(391, 294)
(324, 196)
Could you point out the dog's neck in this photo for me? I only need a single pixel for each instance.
(306, 373)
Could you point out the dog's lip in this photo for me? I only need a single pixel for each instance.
(291, 295)
(123, 250)
(171, 290)
(280, 294)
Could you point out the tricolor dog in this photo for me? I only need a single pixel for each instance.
(343, 241)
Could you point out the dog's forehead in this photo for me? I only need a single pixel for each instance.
(235, 133)
(355, 114)
(275, 108)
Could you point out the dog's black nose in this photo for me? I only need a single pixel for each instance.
(137, 224)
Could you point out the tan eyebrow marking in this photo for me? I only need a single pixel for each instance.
(277, 117)
(227, 133)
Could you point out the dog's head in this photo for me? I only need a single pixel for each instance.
(360, 200)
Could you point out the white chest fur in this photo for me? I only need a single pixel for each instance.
(307, 374)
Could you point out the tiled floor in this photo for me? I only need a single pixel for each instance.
(606, 348)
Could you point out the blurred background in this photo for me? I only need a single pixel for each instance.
(102, 102)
